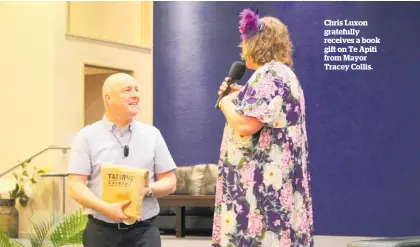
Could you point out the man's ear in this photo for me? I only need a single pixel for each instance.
(108, 99)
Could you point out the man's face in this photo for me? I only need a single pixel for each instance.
(124, 98)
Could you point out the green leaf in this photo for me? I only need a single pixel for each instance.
(4, 239)
(15, 175)
(41, 229)
(25, 173)
(70, 230)
(20, 193)
(14, 193)
(16, 243)
(33, 180)
(24, 165)
(23, 200)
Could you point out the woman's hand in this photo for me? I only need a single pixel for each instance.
(233, 87)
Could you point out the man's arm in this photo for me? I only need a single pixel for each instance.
(165, 184)
(78, 190)
(164, 168)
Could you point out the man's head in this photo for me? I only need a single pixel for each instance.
(120, 94)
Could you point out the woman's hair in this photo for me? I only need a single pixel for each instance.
(270, 43)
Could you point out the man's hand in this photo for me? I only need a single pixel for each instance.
(115, 210)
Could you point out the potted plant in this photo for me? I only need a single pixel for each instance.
(21, 187)
(17, 188)
(57, 230)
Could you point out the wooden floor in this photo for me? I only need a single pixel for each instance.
(172, 241)
(320, 241)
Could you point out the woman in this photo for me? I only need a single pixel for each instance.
(263, 196)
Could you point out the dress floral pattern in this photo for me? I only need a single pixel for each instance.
(263, 193)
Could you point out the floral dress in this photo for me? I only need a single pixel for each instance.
(263, 195)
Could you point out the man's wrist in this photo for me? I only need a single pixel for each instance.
(102, 207)
(150, 192)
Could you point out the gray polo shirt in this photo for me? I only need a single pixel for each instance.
(97, 143)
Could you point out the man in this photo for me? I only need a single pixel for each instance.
(119, 139)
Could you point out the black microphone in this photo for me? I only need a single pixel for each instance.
(237, 70)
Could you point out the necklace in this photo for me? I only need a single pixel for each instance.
(126, 148)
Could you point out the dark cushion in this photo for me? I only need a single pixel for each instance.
(189, 179)
(209, 180)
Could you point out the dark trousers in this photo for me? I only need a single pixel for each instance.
(100, 234)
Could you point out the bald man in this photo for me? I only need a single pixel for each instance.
(119, 139)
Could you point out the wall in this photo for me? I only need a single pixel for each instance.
(94, 105)
(27, 62)
(43, 71)
(27, 95)
(362, 124)
(97, 20)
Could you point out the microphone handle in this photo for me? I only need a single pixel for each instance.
(226, 92)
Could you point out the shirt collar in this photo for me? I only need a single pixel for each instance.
(110, 125)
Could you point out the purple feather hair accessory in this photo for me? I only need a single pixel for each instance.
(249, 23)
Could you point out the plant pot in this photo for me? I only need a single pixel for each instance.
(9, 217)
